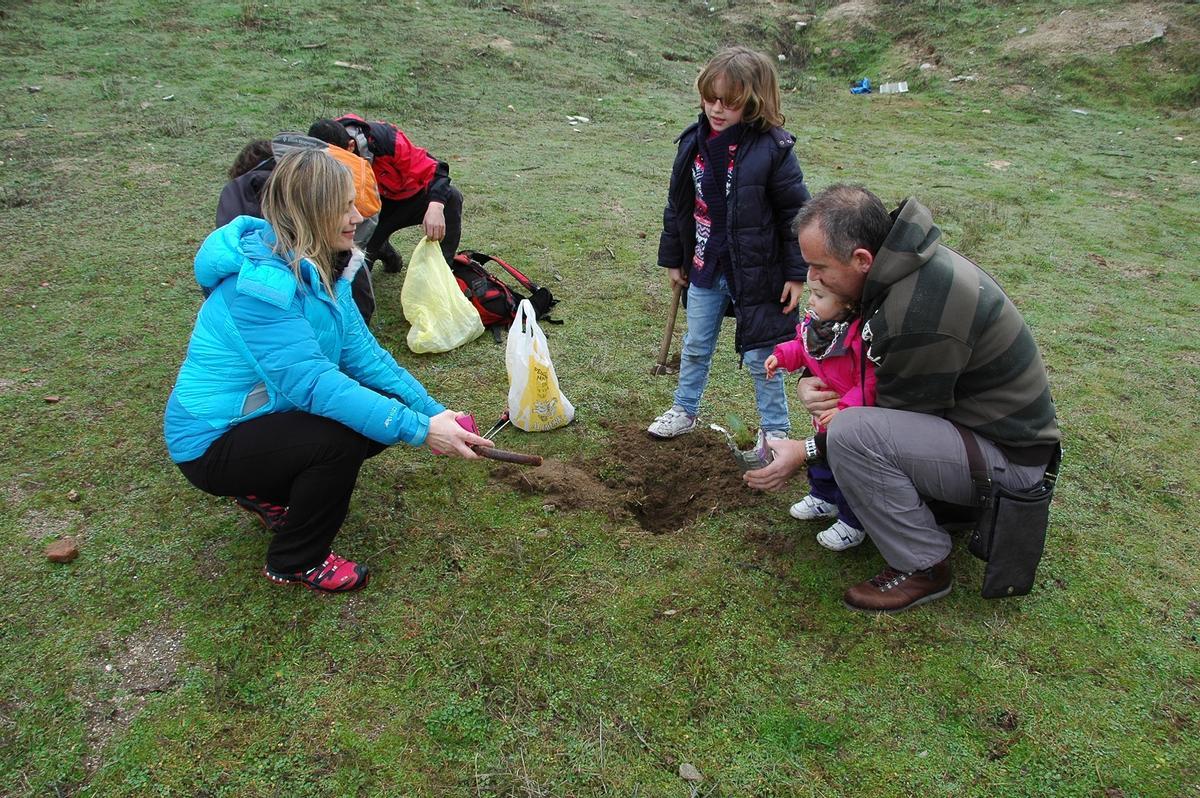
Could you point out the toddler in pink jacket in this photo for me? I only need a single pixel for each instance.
(829, 345)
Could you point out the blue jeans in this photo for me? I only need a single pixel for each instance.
(705, 312)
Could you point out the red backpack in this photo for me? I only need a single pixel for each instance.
(492, 298)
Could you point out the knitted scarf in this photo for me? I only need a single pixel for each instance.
(715, 153)
(825, 339)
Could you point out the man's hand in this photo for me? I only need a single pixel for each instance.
(816, 397)
(435, 221)
(771, 364)
(793, 292)
(677, 278)
(446, 436)
(789, 456)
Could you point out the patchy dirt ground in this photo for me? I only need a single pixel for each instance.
(851, 15)
(1124, 268)
(662, 485)
(1086, 30)
(129, 670)
(42, 524)
(757, 12)
(1072, 31)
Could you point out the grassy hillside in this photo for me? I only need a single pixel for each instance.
(531, 644)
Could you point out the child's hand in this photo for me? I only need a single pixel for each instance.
(793, 292)
(771, 364)
(827, 416)
(678, 278)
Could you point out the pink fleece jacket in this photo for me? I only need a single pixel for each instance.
(842, 373)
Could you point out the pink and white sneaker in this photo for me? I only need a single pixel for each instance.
(335, 575)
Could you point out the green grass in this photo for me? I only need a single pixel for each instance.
(506, 649)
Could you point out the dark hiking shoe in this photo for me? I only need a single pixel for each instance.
(896, 591)
(335, 575)
(393, 262)
(271, 516)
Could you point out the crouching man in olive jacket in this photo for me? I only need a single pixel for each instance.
(949, 348)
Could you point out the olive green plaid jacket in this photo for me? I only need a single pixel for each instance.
(946, 340)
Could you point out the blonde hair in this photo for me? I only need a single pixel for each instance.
(304, 199)
(751, 83)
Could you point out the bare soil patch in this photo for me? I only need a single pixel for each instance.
(131, 669)
(497, 44)
(1089, 30)
(41, 524)
(13, 494)
(851, 15)
(661, 485)
(1124, 268)
(757, 13)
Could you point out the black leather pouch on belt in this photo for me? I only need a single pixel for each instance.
(1010, 533)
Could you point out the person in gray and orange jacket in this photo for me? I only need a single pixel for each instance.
(414, 186)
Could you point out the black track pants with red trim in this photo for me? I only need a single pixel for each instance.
(307, 463)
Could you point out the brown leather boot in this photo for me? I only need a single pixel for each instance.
(895, 591)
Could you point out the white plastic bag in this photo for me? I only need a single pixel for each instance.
(441, 316)
(535, 402)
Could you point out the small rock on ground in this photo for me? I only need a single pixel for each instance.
(63, 550)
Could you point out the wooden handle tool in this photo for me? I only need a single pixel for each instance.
(665, 350)
(508, 457)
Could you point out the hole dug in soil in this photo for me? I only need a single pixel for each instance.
(662, 485)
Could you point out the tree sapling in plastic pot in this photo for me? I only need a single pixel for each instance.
(749, 450)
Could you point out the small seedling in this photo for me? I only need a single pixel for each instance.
(742, 436)
(749, 450)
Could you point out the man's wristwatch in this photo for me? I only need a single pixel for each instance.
(811, 452)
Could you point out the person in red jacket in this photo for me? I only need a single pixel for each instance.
(414, 187)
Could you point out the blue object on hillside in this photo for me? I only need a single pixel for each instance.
(862, 87)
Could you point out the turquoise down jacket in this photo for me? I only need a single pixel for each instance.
(265, 342)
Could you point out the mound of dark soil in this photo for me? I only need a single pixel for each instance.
(564, 485)
(663, 485)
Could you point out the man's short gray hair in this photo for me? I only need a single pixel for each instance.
(851, 218)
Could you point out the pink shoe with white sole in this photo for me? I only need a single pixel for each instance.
(335, 575)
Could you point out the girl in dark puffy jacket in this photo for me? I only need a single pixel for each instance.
(727, 238)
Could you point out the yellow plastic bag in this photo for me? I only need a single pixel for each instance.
(441, 316)
(535, 402)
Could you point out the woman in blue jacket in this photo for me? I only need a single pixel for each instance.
(284, 392)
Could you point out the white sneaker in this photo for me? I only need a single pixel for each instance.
(672, 423)
(841, 536)
(811, 508)
(775, 435)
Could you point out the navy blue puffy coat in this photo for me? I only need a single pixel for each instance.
(766, 192)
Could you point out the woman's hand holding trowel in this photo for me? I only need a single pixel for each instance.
(484, 447)
(455, 433)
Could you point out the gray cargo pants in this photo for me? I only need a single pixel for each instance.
(887, 462)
